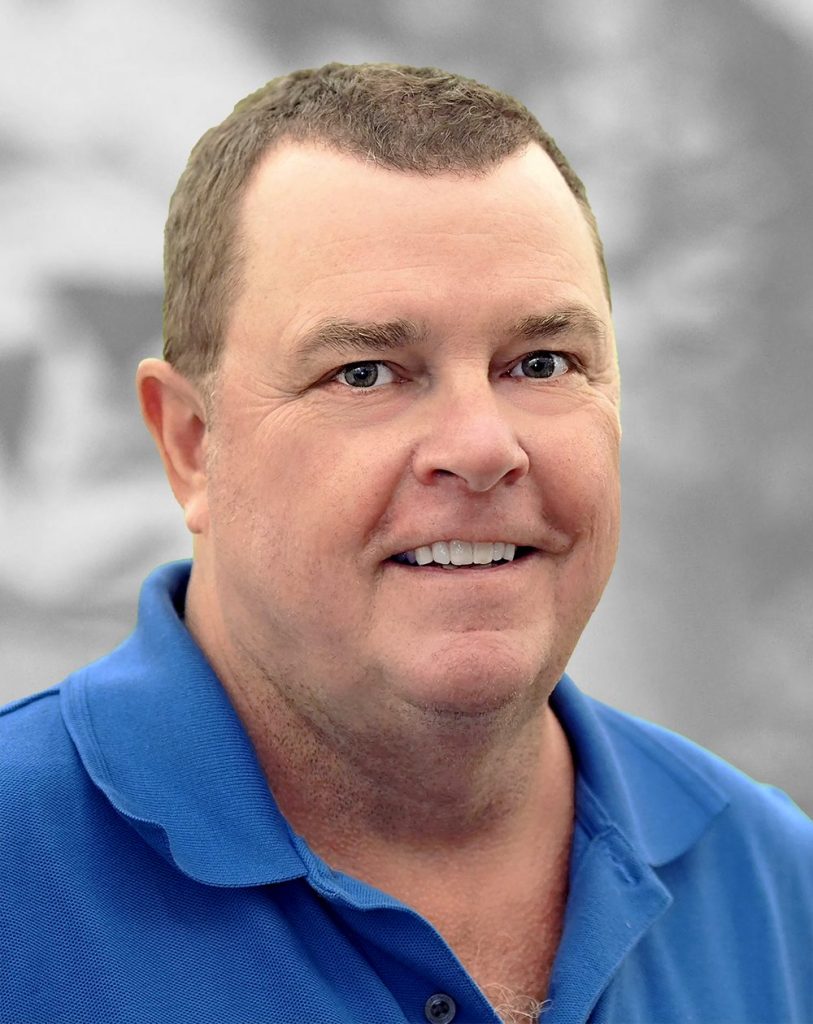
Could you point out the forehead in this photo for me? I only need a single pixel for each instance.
(328, 234)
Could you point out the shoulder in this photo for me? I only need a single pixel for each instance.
(33, 739)
(44, 788)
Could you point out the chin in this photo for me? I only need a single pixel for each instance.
(476, 680)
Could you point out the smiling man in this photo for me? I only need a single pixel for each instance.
(338, 773)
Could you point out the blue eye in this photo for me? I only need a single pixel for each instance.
(362, 375)
(543, 365)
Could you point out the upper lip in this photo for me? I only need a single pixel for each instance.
(552, 540)
(506, 538)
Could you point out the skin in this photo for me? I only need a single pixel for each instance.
(402, 716)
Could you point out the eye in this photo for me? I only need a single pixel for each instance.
(543, 365)
(363, 375)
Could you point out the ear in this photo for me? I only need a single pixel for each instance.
(174, 412)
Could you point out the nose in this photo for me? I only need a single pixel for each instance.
(468, 434)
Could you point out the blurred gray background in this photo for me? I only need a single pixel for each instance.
(690, 121)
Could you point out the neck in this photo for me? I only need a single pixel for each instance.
(450, 791)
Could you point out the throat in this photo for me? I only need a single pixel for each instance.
(449, 861)
(508, 943)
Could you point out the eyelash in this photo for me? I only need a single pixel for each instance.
(570, 359)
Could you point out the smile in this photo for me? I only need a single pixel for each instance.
(456, 554)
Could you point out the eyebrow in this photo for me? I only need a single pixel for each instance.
(347, 337)
(577, 320)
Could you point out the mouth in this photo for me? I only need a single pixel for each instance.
(456, 556)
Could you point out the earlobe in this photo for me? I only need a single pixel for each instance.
(174, 413)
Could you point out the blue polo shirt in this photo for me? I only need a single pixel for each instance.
(147, 875)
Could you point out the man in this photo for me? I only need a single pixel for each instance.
(337, 773)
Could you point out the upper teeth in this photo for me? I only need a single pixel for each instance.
(462, 552)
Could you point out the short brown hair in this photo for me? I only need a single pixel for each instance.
(419, 120)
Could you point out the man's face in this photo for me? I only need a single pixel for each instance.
(316, 481)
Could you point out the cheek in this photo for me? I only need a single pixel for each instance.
(579, 476)
(298, 509)
(279, 539)
(343, 488)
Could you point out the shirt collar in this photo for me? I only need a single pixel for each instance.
(158, 735)
(635, 776)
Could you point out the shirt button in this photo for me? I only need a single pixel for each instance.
(440, 1008)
